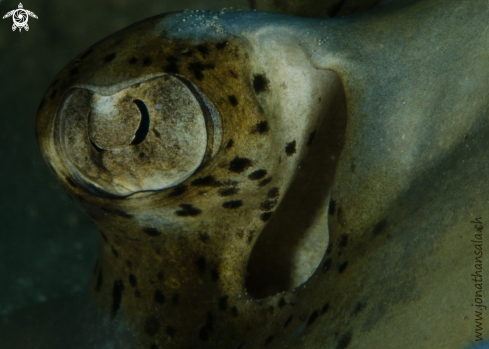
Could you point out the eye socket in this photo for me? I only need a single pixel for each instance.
(149, 136)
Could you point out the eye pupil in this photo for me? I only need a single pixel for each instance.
(143, 129)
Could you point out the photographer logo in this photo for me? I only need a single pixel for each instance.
(20, 17)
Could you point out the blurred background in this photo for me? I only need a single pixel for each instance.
(48, 246)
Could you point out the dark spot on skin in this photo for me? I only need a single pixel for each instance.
(228, 191)
(379, 227)
(198, 69)
(152, 231)
(133, 280)
(266, 216)
(114, 251)
(159, 297)
(160, 275)
(325, 308)
(290, 148)
(282, 303)
(221, 45)
(233, 74)
(87, 53)
(230, 144)
(339, 211)
(201, 264)
(117, 296)
(261, 127)
(234, 311)
(223, 302)
(104, 236)
(258, 174)
(157, 133)
(73, 72)
(147, 61)
(179, 190)
(151, 326)
(238, 165)
(209, 324)
(268, 205)
(214, 274)
(312, 318)
(311, 138)
(344, 340)
(203, 49)
(273, 193)
(53, 94)
(204, 237)
(175, 298)
(250, 237)
(260, 83)
(170, 331)
(330, 247)
(133, 60)
(208, 181)
(352, 167)
(233, 100)
(203, 334)
(359, 308)
(232, 204)
(142, 155)
(287, 322)
(188, 210)
(268, 340)
(265, 181)
(172, 66)
(109, 57)
(327, 264)
(342, 267)
(43, 101)
(343, 240)
(333, 10)
(332, 207)
(99, 281)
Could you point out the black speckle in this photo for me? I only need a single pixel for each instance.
(234, 311)
(343, 240)
(109, 57)
(152, 231)
(203, 334)
(160, 275)
(327, 264)
(53, 94)
(147, 61)
(325, 308)
(287, 322)
(258, 174)
(201, 264)
(198, 69)
(312, 135)
(330, 247)
(117, 296)
(261, 127)
(238, 165)
(333, 10)
(233, 74)
(99, 280)
(204, 237)
(223, 302)
(151, 326)
(170, 331)
(221, 45)
(332, 207)
(87, 53)
(268, 205)
(265, 181)
(260, 83)
(209, 324)
(290, 148)
(344, 340)
(73, 71)
(273, 193)
(208, 181)
(104, 236)
(203, 49)
(230, 144)
(172, 66)
(133, 280)
(282, 303)
(312, 318)
(232, 204)
(188, 210)
(179, 190)
(268, 340)
(214, 274)
(228, 191)
(233, 100)
(379, 227)
(359, 308)
(157, 133)
(159, 297)
(175, 298)
(133, 60)
(342, 267)
(114, 251)
(265, 216)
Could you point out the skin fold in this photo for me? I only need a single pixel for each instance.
(300, 183)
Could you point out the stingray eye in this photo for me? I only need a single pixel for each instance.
(149, 136)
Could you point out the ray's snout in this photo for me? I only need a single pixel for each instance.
(151, 135)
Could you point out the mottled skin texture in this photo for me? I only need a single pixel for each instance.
(172, 266)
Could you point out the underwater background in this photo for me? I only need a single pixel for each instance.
(48, 246)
